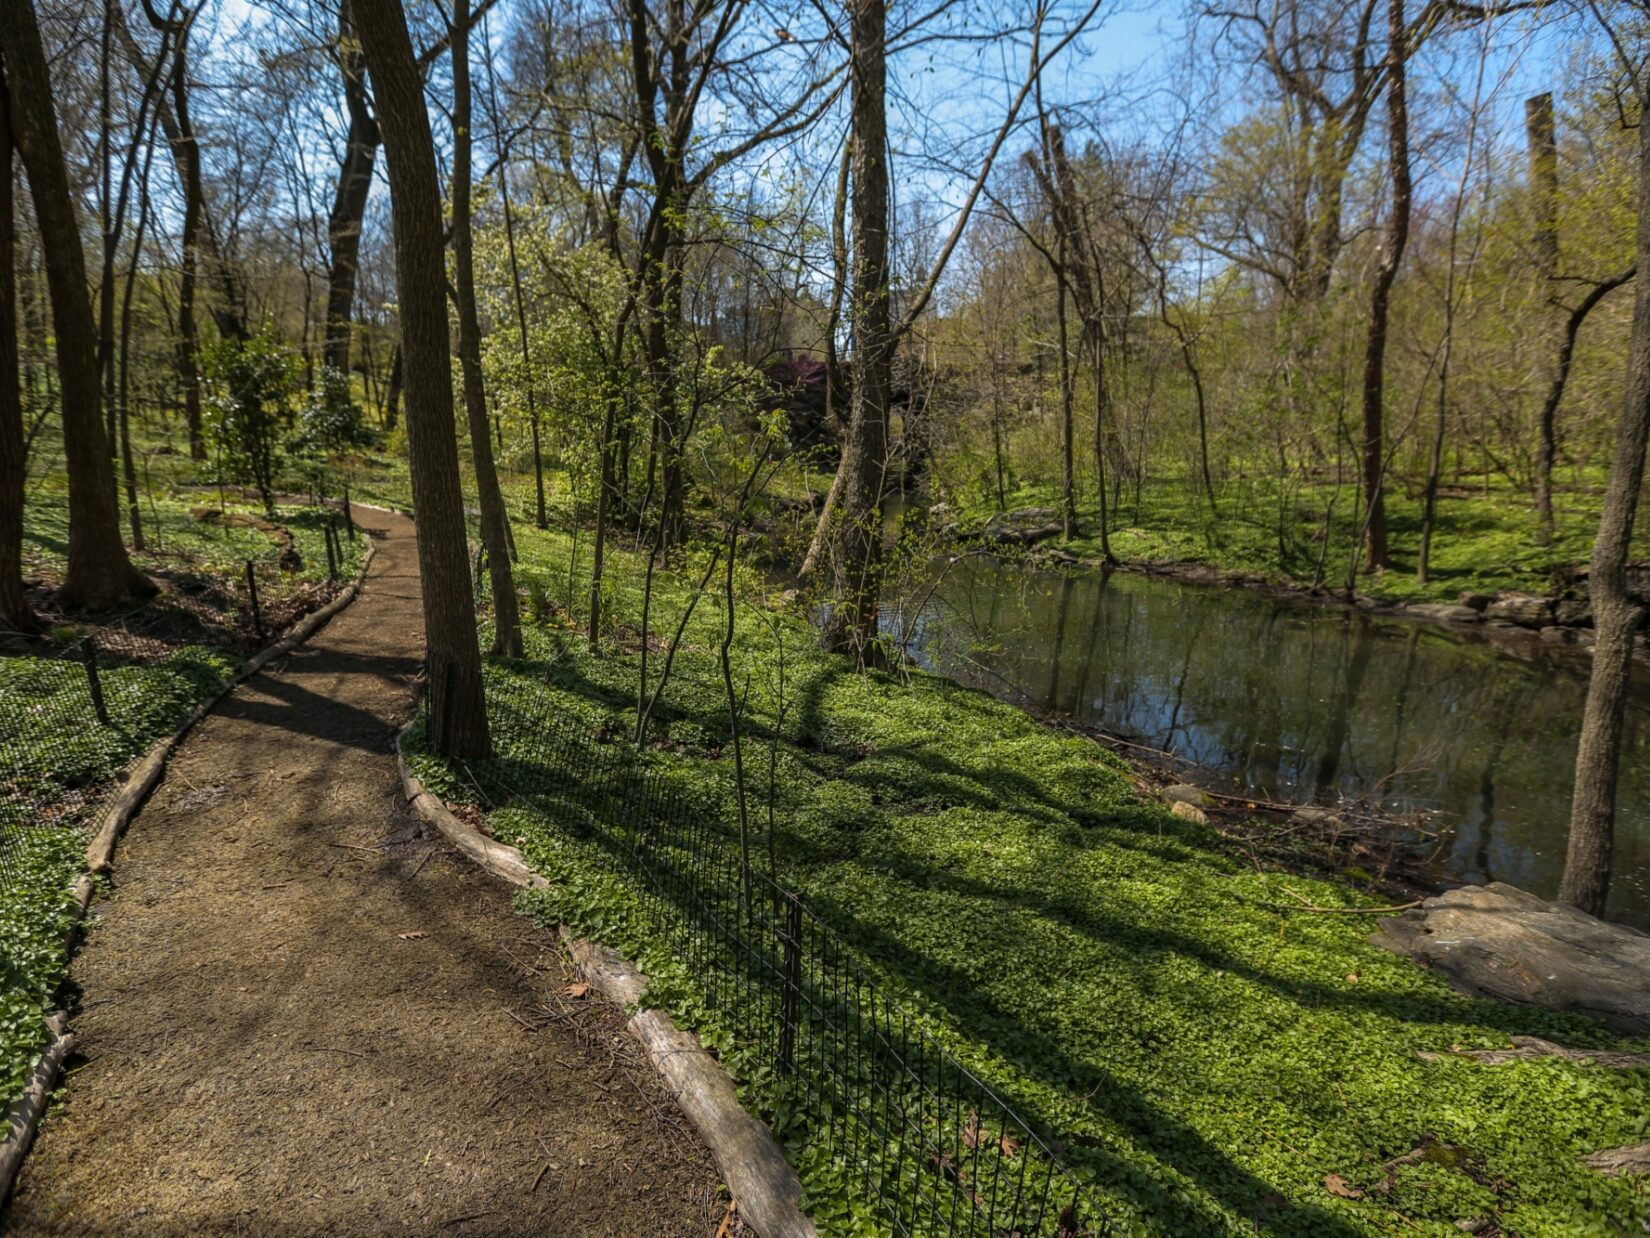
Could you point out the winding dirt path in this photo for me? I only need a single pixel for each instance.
(298, 1016)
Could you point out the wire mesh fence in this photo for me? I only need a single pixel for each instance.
(931, 1143)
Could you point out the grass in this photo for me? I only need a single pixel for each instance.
(1486, 538)
(1203, 1055)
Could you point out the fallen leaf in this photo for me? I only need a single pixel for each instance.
(578, 990)
(416, 936)
(971, 1132)
(1008, 1146)
(1337, 1185)
(1352, 977)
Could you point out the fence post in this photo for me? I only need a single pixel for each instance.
(252, 592)
(332, 554)
(790, 996)
(349, 517)
(95, 683)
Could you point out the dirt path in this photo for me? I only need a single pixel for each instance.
(265, 1052)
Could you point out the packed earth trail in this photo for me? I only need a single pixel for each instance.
(299, 1016)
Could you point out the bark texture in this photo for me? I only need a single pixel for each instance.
(1586, 881)
(15, 615)
(457, 709)
(1376, 552)
(99, 573)
(494, 522)
(349, 203)
(852, 626)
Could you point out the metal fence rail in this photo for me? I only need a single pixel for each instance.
(937, 1149)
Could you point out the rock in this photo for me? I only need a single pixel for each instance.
(1442, 612)
(1183, 793)
(1524, 609)
(1024, 526)
(1190, 812)
(1574, 613)
(1315, 816)
(1612, 1162)
(1477, 601)
(1498, 941)
(1555, 635)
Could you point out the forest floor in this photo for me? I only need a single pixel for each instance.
(297, 1016)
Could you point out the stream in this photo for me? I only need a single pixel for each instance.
(1283, 699)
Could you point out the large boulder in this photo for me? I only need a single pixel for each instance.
(1527, 610)
(1442, 612)
(1024, 526)
(1498, 941)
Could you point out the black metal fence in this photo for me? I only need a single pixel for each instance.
(933, 1145)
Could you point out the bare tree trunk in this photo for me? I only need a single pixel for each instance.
(187, 155)
(604, 508)
(1068, 454)
(349, 204)
(1542, 141)
(15, 615)
(1586, 881)
(1435, 459)
(392, 402)
(1376, 553)
(495, 534)
(818, 544)
(134, 513)
(457, 709)
(99, 573)
(857, 569)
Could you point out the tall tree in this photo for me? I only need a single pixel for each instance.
(349, 203)
(99, 574)
(15, 615)
(1541, 139)
(852, 626)
(1587, 861)
(457, 708)
(1376, 551)
(495, 535)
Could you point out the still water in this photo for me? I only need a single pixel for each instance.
(1281, 699)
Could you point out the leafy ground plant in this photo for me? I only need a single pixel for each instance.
(1207, 1056)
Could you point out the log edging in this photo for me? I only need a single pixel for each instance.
(765, 1188)
(22, 1118)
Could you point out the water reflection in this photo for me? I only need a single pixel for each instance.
(1293, 702)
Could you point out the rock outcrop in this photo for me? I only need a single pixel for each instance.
(1025, 526)
(1498, 941)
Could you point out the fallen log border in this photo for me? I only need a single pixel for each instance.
(22, 1118)
(765, 1188)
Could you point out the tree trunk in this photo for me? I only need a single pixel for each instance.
(392, 402)
(1376, 552)
(457, 710)
(15, 615)
(99, 573)
(1541, 139)
(1586, 881)
(494, 532)
(1068, 453)
(349, 203)
(857, 571)
(187, 156)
